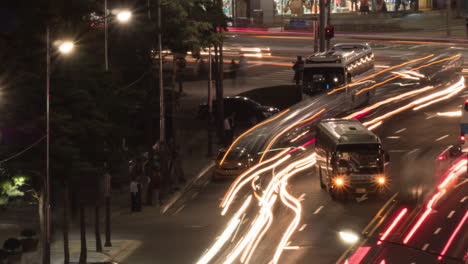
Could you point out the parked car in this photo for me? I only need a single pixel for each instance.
(247, 111)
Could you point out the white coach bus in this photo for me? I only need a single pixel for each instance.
(335, 68)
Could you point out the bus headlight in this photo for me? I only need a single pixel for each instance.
(339, 181)
(381, 180)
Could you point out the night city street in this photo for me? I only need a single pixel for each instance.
(235, 131)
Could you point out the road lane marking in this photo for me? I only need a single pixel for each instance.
(194, 195)
(393, 137)
(429, 117)
(425, 247)
(413, 151)
(302, 227)
(301, 198)
(180, 209)
(442, 137)
(365, 230)
(451, 214)
(397, 150)
(463, 199)
(318, 209)
(399, 131)
(437, 230)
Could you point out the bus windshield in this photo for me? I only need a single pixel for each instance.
(318, 78)
(361, 158)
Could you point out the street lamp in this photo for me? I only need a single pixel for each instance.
(64, 47)
(123, 16)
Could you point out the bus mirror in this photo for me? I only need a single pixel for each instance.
(386, 157)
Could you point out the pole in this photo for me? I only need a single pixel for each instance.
(106, 52)
(107, 179)
(447, 21)
(282, 15)
(210, 83)
(46, 200)
(322, 25)
(162, 120)
(328, 6)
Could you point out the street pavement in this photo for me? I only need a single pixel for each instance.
(193, 223)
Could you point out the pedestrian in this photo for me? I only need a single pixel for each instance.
(298, 68)
(354, 6)
(229, 129)
(364, 6)
(134, 195)
(242, 64)
(398, 3)
(233, 68)
(181, 65)
(137, 174)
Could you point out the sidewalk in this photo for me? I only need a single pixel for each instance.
(429, 25)
(120, 250)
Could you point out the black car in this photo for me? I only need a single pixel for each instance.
(247, 112)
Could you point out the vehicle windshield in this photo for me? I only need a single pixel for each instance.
(361, 158)
(323, 78)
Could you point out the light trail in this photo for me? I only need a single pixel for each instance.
(250, 130)
(423, 218)
(452, 237)
(289, 128)
(374, 126)
(453, 90)
(295, 205)
(367, 110)
(413, 69)
(454, 172)
(243, 175)
(430, 99)
(232, 226)
(450, 114)
(241, 184)
(392, 226)
(382, 71)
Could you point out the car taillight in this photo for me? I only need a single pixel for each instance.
(462, 138)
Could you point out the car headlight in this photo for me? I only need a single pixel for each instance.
(339, 181)
(381, 180)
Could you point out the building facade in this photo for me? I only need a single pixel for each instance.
(270, 11)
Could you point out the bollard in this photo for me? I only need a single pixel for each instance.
(466, 24)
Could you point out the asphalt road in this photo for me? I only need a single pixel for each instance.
(194, 224)
(321, 219)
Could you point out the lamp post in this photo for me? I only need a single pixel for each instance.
(64, 47)
(123, 16)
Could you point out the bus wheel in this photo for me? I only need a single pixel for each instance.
(322, 185)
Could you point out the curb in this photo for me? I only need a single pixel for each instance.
(178, 195)
(402, 38)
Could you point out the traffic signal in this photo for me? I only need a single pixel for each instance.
(329, 32)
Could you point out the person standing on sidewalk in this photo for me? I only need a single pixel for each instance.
(354, 7)
(298, 68)
(229, 129)
(134, 195)
(364, 6)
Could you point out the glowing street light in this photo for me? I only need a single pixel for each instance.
(124, 16)
(66, 47)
